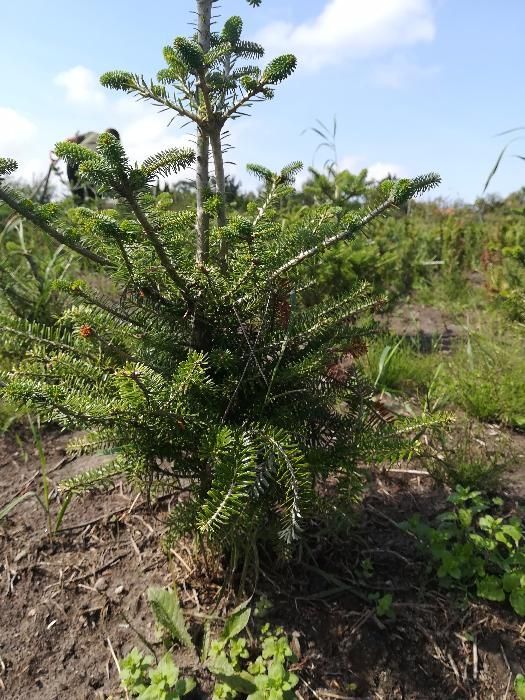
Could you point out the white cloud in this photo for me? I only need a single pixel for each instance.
(145, 132)
(352, 163)
(150, 134)
(350, 29)
(376, 171)
(81, 86)
(16, 131)
(18, 140)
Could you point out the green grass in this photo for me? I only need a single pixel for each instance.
(467, 453)
(481, 381)
(395, 366)
(486, 377)
(451, 293)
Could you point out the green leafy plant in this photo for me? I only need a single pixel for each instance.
(519, 686)
(146, 680)
(515, 305)
(166, 609)
(384, 606)
(473, 549)
(229, 658)
(204, 373)
(268, 676)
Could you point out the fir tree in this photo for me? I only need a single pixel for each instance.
(207, 377)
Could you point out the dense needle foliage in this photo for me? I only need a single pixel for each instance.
(202, 371)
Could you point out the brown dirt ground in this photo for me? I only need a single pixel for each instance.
(68, 604)
(428, 326)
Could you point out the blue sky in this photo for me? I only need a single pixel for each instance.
(416, 85)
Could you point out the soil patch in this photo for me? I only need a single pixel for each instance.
(68, 603)
(429, 327)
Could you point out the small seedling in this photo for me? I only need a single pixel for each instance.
(229, 658)
(147, 681)
(262, 607)
(384, 606)
(367, 568)
(473, 549)
(519, 686)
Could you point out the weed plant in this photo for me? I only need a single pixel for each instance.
(255, 667)
(474, 548)
(394, 365)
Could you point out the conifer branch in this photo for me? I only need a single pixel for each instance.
(79, 291)
(161, 100)
(34, 218)
(234, 109)
(122, 80)
(125, 257)
(38, 336)
(157, 244)
(332, 240)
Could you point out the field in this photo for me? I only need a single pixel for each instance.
(265, 445)
(74, 601)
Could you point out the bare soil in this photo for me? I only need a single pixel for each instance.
(429, 327)
(70, 602)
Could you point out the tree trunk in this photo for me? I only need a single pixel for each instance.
(220, 181)
(203, 218)
(204, 8)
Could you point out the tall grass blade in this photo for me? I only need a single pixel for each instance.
(62, 511)
(495, 167)
(16, 501)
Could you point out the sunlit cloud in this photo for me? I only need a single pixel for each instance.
(376, 171)
(81, 86)
(351, 29)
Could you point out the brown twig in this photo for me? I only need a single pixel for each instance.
(99, 570)
(115, 661)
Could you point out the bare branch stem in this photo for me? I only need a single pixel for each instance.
(220, 180)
